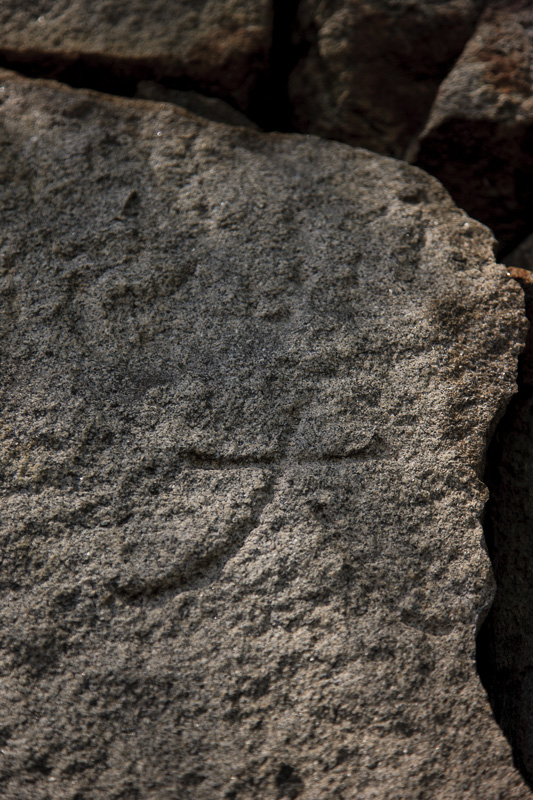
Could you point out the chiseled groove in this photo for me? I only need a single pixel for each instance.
(375, 447)
(206, 568)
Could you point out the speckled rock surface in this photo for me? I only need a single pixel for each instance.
(370, 69)
(479, 138)
(218, 46)
(246, 385)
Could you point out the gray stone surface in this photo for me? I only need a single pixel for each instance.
(220, 46)
(209, 107)
(479, 138)
(246, 385)
(370, 69)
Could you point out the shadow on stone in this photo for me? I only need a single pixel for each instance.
(505, 640)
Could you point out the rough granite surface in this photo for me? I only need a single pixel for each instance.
(246, 385)
(369, 69)
(218, 46)
(479, 137)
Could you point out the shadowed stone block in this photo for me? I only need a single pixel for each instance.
(221, 47)
(479, 137)
(368, 70)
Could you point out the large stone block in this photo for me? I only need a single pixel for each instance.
(246, 386)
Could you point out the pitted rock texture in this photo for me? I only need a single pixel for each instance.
(479, 138)
(369, 69)
(217, 46)
(246, 385)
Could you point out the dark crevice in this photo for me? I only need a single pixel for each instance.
(270, 105)
(506, 250)
(488, 170)
(109, 75)
(504, 647)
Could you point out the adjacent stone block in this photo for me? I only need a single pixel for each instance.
(246, 386)
(369, 69)
(218, 46)
(479, 138)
